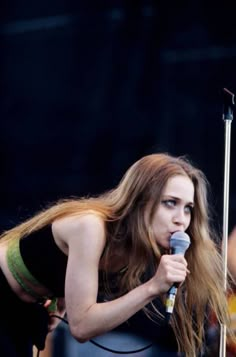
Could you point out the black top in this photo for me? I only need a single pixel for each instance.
(45, 261)
(156, 330)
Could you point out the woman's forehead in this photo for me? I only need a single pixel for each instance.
(179, 186)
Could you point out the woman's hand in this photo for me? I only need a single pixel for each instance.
(58, 311)
(171, 269)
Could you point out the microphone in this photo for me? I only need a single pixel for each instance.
(179, 243)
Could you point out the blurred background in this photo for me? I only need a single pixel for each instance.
(88, 87)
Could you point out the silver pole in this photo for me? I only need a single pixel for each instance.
(227, 117)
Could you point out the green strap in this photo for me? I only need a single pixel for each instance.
(16, 263)
(18, 269)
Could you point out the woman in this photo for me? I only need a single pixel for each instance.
(107, 261)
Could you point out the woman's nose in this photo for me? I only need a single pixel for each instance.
(180, 218)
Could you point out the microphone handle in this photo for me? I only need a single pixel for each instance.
(170, 301)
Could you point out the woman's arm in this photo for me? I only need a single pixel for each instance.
(85, 238)
(232, 252)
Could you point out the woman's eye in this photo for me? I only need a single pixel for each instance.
(188, 209)
(173, 203)
(169, 203)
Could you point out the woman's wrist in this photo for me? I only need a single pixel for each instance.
(152, 289)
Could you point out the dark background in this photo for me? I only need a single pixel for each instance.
(87, 88)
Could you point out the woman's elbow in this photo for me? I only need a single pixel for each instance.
(79, 333)
(81, 339)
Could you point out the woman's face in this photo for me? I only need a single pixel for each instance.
(173, 213)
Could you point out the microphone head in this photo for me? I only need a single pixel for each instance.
(179, 242)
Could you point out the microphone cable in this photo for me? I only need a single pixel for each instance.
(101, 346)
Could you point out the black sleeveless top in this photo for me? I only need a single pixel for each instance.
(157, 330)
(45, 261)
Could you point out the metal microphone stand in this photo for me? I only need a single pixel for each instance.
(228, 103)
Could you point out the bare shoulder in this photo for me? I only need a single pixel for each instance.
(231, 252)
(68, 229)
(232, 235)
(232, 242)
